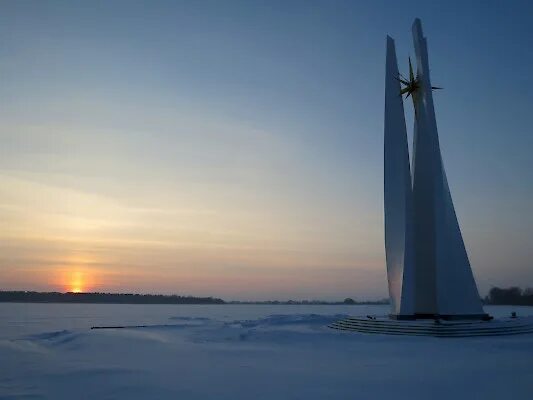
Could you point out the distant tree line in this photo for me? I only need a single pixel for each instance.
(510, 296)
(129, 298)
(113, 298)
(312, 302)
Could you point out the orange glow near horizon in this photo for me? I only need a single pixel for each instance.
(77, 273)
(77, 282)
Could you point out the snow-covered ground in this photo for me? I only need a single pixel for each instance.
(47, 351)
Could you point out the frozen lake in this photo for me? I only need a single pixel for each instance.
(47, 351)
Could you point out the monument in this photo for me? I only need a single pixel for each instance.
(431, 286)
(428, 270)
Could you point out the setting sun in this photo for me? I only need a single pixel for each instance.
(77, 282)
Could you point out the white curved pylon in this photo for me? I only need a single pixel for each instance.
(398, 196)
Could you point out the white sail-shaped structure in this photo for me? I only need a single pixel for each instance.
(398, 194)
(428, 269)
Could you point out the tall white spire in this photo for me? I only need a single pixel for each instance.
(398, 196)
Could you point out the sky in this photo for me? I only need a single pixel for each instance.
(235, 149)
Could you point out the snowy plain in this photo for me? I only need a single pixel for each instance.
(48, 351)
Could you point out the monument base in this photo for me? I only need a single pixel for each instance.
(437, 327)
(455, 317)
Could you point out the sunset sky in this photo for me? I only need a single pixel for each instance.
(235, 148)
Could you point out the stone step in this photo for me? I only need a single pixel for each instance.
(429, 328)
(488, 331)
(417, 323)
(432, 334)
(437, 334)
(435, 327)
